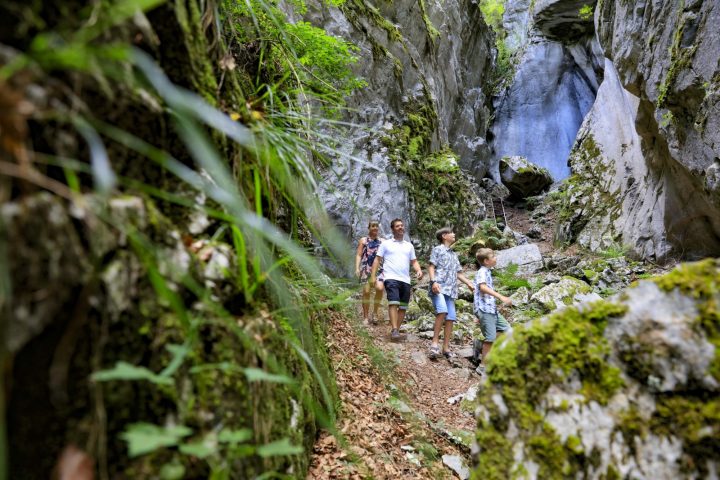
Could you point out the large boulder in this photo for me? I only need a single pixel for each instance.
(523, 178)
(527, 257)
(564, 19)
(624, 388)
(568, 291)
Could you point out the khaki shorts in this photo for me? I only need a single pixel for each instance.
(491, 324)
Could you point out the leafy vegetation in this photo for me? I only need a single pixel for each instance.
(493, 11)
(243, 382)
(440, 192)
(504, 69)
(288, 56)
(508, 281)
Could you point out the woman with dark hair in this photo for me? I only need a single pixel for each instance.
(365, 256)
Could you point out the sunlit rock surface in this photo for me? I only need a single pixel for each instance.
(648, 154)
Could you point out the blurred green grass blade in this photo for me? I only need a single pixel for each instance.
(103, 175)
(279, 448)
(115, 13)
(191, 104)
(179, 352)
(258, 375)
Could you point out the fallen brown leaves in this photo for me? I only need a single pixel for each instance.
(372, 432)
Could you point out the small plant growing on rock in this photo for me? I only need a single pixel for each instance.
(586, 12)
(615, 250)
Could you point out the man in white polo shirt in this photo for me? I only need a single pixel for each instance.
(397, 255)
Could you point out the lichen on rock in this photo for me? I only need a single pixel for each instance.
(625, 388)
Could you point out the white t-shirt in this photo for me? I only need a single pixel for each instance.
(397, 256)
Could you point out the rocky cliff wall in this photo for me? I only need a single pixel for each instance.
(559, 69)
(140, 279)
(661, 156)
(613, 197)
(426, 63)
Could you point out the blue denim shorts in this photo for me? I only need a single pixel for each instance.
(491, 324)
(444, 304)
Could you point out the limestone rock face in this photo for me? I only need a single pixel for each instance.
(53, 259)
(554, 86)
(623, 388)
(435, 54)
(568, 291)
(614, 196)
(649, 150)
(523, 179)
(527, 257)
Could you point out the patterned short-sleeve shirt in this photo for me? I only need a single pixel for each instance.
(482, 301)
(447, 267)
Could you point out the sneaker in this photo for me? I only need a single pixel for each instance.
(395, 335)
(434, 352)
(450, 356)
(480, 370)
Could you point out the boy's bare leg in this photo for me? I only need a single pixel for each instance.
(448, 335)
(485, 350)
(439, 319)
(487, 346)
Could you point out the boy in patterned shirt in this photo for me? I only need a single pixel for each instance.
(491, 322)
(444, 273)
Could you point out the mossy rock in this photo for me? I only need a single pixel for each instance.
(422, 299)
(486, 235)
(567, 291)
(598, 389)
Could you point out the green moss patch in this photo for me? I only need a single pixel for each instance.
(441, 194)
(522, 369)
(700, 280)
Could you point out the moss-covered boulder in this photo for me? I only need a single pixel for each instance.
(567, 291)
(486, 235)
(522, 177)
(626, 388)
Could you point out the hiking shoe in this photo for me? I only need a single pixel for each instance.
(434, 353)
(395, 335)
(450, 356)
(480, 370)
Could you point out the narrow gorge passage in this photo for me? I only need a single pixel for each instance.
(400, 411)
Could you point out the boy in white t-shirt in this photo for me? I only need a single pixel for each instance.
(396, 256)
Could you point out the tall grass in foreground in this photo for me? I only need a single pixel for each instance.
(277, 154)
